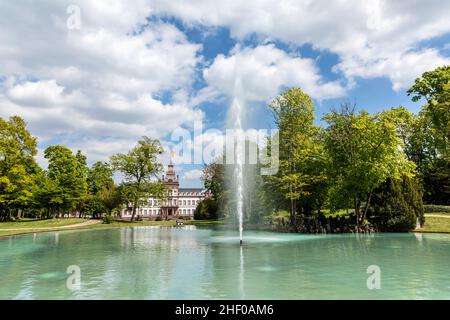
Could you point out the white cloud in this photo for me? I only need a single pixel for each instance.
(194, 174)
(372, 38)
(95, 87)
(264, 70)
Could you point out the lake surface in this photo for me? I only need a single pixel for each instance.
(204, 263)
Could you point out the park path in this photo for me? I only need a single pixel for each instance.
(437, 216)
(70, 226)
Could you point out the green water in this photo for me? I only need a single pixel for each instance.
(193, 263)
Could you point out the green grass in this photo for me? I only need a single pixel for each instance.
(33, 223)
(436, 224)
(28, 226)
(204, 222)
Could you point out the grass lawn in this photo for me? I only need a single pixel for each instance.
(32, 226)
(33, 223)
(436, 224)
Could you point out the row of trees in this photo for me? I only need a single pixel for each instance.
(69, 186)
(378, 165)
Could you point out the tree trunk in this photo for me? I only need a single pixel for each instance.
(355, 201)
(292, 213)
(134, 210)
(367, 206)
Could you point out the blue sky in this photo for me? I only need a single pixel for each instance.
(98, 76)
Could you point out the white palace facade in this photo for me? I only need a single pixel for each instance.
(179, 202)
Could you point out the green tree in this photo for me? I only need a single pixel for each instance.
(99, 176)
(17, 166)
(301, 151)
(397, 205)
(140, 167)
(364, 151)
(68, 173)
(432, 133)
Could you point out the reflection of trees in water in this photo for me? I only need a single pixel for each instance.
(158, 263)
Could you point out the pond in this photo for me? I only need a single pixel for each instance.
(207, 263)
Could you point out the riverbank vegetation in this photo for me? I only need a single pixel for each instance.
(356, 171)
(377, 169)
(68, 187)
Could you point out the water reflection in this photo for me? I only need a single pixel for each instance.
(191, 263)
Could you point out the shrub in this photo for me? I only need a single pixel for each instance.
(397, 205)
(206, 210)
(158, 218)
(107, 219)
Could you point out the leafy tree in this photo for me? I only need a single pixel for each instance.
(17, 165)
(301, 151)
(214, 180)
(140, 167)
(432, 133)
(364, 151)
(111, 198)
(99, 176)
(206, 210)
(68, 175)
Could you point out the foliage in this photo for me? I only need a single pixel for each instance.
(67, 175)
(364, 152)
(17, 165)
(107, 219)
(206, 210)
(140, 167)
(300, 177)
(433, 133)
(99, 176)
(397, 205)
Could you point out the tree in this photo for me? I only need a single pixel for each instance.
(213, 177)
(397, 205)
(17, 166)
(99, 176)
(206, 210)
(432, 133)
(111, 198)
(140, 167)
(364, 151)
(68, 175)
(300, 148)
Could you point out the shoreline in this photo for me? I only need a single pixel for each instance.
(97, 224)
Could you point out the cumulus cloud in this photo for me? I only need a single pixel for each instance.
(264, 70)
(101, 84)
(372, 38)
(194, 174)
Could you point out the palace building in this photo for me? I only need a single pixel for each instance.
(179, 202)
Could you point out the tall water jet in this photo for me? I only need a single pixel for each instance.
(235, 119)
(239, 167)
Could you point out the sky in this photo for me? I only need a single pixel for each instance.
(98, 75)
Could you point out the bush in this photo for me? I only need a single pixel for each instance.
(107, 219)
(397, 205)
(158, 218)
(206, 210)
(432, 208)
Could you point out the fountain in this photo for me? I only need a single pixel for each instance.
(236, 121)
